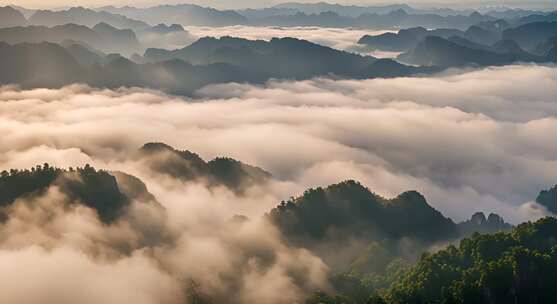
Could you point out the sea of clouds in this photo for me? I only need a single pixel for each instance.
(476, 140)
(339, 38)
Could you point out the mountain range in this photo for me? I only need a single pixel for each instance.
(187, 14)
(102, 36)
(484, 44)
(214, 61)
(84, 16)
(371, 244)
(187, 166)
(288, 14)
(97, 190)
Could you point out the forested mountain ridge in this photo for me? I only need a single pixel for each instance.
(190, 167)
(187, 14)
(96, 189)
(390, 233)
(516, 267)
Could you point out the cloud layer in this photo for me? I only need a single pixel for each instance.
(469, 141)
(474, 140)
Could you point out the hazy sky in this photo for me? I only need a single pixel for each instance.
(262, 3)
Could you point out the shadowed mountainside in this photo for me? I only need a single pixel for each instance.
(218, 61)
(95, 189)
(84, 16)
(187, 14)
(102, 36)
(436, 51)
(548, 199)
(189, 167)
(11, 17)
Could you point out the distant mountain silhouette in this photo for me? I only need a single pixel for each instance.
(280, 58)
(85, 55)
(102, 36)
(122, 41)
(530, 35)
(343, 10)
(496, 26)
(162, 28)
(189, 167)
(544, 48)
(10, 17)
(535, 17)
(26, 12)
(186, 14)
(56, 34)
(437, 51)
(393, 19)
(84, 16)
(38, 65)
(407, 39)
(479, 223)
(470, 44)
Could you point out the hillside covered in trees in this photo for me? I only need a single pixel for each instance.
(378, 250)
(514, 267)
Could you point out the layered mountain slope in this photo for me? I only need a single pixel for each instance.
(97, 190)
(11, 17)
(189, 167)
(84, 16)
(530, 35)
(187, 14)
(102, 36)
(350, 209)
(437, 51)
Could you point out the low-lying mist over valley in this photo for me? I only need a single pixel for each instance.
(313, 153)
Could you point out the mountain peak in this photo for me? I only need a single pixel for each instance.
(548, 199)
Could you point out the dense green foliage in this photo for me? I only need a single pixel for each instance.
(517, 267)
(351, 209)
(95, 189)
(359, 234)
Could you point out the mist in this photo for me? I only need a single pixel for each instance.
(391, 134)
(339, 38)
(476, 140)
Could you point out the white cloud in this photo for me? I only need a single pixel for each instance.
(471, 141)
(339, 38)
(479, 140)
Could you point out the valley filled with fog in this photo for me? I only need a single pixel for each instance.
(296, 153)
